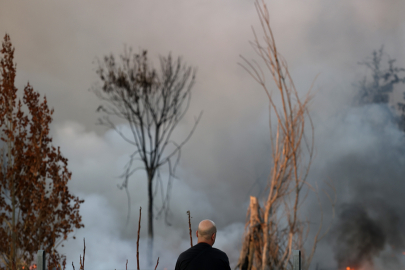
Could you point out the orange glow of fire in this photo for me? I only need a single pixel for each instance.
(32, 267)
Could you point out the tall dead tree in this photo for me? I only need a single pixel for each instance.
(152, 103)
(275, 229)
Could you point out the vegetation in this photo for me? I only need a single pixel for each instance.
(32, 215)
(378, 90)
(58, 266)
(276, 229)
(152, 103)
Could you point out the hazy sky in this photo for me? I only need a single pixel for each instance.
(57, 44)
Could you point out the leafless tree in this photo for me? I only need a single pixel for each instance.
(152, 103)
(274, 230)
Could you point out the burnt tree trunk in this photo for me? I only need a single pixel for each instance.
(251, 254)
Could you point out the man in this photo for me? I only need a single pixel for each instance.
(203, 256)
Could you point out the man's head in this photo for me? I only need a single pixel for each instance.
(207, 232)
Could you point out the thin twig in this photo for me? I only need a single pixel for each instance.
(84, 254)
(189, 228)
(84, 251)
(137, 241)
(157, 263)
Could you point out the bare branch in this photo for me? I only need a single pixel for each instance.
(281, 229)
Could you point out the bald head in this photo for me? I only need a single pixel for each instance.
(206, 232)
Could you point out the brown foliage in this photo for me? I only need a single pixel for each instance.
(34, 216)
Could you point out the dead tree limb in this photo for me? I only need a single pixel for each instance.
(272, 232)
(189, 228)
(157, 263)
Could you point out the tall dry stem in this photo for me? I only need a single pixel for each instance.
(137, 240)
(277, 228)
(189, 228)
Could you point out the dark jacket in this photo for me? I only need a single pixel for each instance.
(202, 257)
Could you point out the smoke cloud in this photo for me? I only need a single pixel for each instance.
(364, 157)
(358, 238)
(359, 149)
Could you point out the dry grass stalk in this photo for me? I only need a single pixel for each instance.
(84, 253)
(189, 228)
(126, 266)
(157, 263)
(137, 240)
(276, 229)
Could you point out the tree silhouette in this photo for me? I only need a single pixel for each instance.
(152, 103)
(383, 79)
(378, 90)
(35, 204)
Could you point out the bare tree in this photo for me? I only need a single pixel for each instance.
(379, 89)
(274, 230)
(152, 103)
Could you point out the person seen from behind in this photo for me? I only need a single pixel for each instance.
(203, 256)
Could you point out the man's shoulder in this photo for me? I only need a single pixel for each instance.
(196, 247)
(191, 252)
(188, 255)
(219, 253)
(203, 255)
(218, 250)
